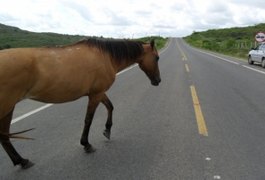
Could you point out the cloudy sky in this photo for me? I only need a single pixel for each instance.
(130, 18)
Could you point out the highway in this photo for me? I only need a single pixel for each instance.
(206, 120)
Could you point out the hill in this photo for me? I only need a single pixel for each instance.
(231, 41)
(12, 37)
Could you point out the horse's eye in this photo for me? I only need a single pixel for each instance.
(157, 58)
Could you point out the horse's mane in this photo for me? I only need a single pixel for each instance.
(119, 49)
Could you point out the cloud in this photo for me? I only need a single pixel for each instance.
(78, 7)
(5, 17)
(130, 18)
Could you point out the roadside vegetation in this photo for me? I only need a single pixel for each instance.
(12, 37)
(230, 41)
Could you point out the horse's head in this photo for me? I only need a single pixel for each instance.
(149, 63)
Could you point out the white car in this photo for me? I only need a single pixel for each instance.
(257, 55)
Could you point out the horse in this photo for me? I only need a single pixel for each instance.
(66, 73)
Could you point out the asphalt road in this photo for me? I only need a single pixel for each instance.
(205, 121)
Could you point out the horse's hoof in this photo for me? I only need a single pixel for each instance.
(89, 149)
(25, 164)
(106, 133)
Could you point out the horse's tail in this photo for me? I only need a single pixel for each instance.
(15, 135)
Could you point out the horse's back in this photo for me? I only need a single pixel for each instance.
(54, 75)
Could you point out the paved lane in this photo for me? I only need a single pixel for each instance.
(233, 100)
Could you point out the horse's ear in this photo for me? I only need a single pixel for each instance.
(152, 43)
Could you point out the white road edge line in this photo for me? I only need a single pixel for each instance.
(30, 113)
(250, 68)
(48, 105)
(219, 57)
(127, 69)
(253, 69)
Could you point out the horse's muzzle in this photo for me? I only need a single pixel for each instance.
(156, 81)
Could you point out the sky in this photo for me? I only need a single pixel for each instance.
(130, 18)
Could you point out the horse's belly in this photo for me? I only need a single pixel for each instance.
(55, 97)
(55, 92)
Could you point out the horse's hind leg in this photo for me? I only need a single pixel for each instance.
(108, 124)
(9, 148)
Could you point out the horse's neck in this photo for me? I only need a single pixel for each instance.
(119, 66)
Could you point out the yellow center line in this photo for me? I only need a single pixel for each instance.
(187, 68)
(202, 128)
(198, 113)
(184, 57)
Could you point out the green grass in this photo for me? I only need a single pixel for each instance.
(12, 37)
(230, 41)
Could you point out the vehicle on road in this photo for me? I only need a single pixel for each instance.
(257, 55)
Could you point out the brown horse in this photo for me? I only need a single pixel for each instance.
(62, 74)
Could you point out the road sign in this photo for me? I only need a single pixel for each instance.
(260, 36)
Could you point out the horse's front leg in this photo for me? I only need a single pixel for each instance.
(109, 107)
(92, 106)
